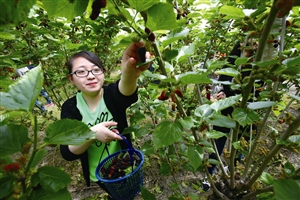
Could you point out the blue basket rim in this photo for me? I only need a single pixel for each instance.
(124, 177)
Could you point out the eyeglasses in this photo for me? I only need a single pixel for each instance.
(85, 73)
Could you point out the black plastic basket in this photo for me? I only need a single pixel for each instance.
(126, 187)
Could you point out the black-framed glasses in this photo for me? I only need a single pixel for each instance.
(85, 73)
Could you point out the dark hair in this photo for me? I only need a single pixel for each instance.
(90, 56)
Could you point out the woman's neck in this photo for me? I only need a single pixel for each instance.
(92, 100)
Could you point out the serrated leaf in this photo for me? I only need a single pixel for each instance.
(195, 156)
(232, 12)
(167, 133)
(204, 111)
(52, 179)
(23, 93)
(157, 18)
(260, 104)
(175, 35)
(170, 54)
(64, 8)
(185, 52)
(245, 116)
(286, 189)
(266, 178)
(187, 122)
(141, 5)
(220, 120)
(68, 132)
(12, 139)
(193, 78)
(225, 103)
(215, 134)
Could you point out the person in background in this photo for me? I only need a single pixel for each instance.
(20, 72)
(226, 91)
(101, 107)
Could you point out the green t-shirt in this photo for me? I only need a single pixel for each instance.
(101, 114)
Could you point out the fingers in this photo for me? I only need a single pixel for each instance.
(107, 124)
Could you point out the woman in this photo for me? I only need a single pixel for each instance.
(102, 108)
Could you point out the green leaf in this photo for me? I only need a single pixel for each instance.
(38, 157)
(175, 35)
(141, 5)
(164, 169)
(68, 132)
(292, 61)
(215, 134)
(146, 194)
(220, 120)
(237, 145)
(261, 104)
(15, 11)
(193, 78)
(6, 185)
(23, 93)
(187, 122)
(51, 178)
(232, 12)
(225, 103)
(228, 72)
(167, 133)
(266, 178)
(286, 189)
(170, 54)
(148, 148)
(195, 156)
(185, 52)
(295, 97)
(289, 169)
(64, 8)
(7, 36)
(157, 18)
(215, 64)
(204, 111)
(295, 139)
(240, 61)
(245, 116)
(213, 161)
(41, 194)
(12, 139)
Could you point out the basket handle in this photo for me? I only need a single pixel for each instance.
(130, 149)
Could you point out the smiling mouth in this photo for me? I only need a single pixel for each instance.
(92, 83)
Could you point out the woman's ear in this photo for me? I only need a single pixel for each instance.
(70, 78)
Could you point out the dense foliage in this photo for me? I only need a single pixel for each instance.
(175, 98)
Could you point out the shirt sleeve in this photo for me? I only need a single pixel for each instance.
(69, 110)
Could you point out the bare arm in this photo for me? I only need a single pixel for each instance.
(131, 73)
(103, 134)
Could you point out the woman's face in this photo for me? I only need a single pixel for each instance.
(89, 84)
